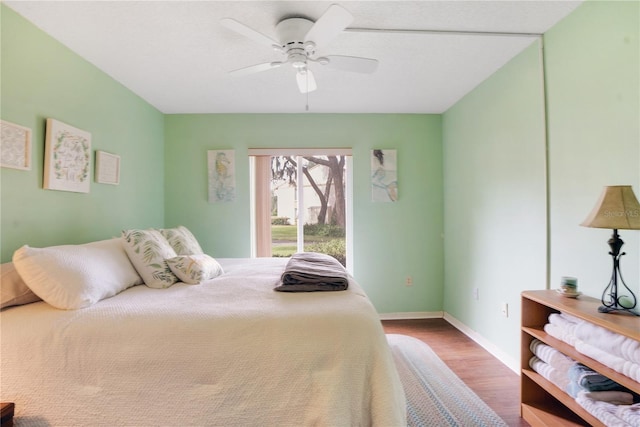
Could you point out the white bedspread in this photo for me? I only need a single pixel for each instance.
(228, 352)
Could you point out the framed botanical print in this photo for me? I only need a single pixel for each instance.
(67, 158)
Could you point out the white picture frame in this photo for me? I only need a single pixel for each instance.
(384, 176)
(67, 158)
(107, 168)
(15, 146)
(221, 176)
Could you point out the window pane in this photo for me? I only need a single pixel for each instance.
(284, 202)
(321, 197)
(324, 206)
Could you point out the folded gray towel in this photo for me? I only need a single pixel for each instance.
(311, 271)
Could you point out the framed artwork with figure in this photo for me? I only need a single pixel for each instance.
(384, 176)
(222, 175)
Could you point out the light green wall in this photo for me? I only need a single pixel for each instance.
(495, 216)
(41, 78)
(593, 78)
(494, 169)
(391, 240)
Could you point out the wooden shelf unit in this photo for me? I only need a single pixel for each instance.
(543, 403)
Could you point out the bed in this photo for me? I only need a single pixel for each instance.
(228, 351)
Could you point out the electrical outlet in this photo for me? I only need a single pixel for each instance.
(505, 309)
(476, 294)
(409, 281)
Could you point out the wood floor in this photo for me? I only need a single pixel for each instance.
(497, 385)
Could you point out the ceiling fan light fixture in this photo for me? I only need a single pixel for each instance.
(306, 81)
(298, 60)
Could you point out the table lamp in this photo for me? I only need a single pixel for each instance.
(617, 209)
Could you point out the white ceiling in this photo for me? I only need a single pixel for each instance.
(176, 55)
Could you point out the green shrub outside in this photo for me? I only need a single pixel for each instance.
(324, 230)
(328, 239)
(336, 248)
(280, 220)
(327, 230)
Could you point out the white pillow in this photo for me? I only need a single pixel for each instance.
(13, 290)
(148, 250)
(182, 240)
(194, 269)
(76, 276)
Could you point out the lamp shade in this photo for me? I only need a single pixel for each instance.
(617, 208)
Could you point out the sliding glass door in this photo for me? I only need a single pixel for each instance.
(302, 203)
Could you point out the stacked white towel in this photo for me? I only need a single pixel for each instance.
(630, 414)
(547, 371)
(621, 346)
(610, 414)
(550, 363)
(616, 351)
(550, 355)
(562, 326)
(620, 353)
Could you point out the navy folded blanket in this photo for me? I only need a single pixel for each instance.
(311, 271)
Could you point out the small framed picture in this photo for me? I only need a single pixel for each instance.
(384, 176)
(107, 168)
(222, 175)
(67, 158)
(15, 146)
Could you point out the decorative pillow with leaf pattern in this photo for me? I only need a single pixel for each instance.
(148, 250)
(182, 240)
(194, 269)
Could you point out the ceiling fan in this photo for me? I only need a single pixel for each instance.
(298, 39)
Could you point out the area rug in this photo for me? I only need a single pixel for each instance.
(435, 395)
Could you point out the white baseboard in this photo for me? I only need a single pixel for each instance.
(507, 360)
(412, 315)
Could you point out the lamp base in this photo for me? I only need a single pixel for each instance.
(611, 300)
(603, 309)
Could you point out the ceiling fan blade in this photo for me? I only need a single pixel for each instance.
(329, 25)
(255, 68)
(306, 81)
(248, 32)
(353, 63)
